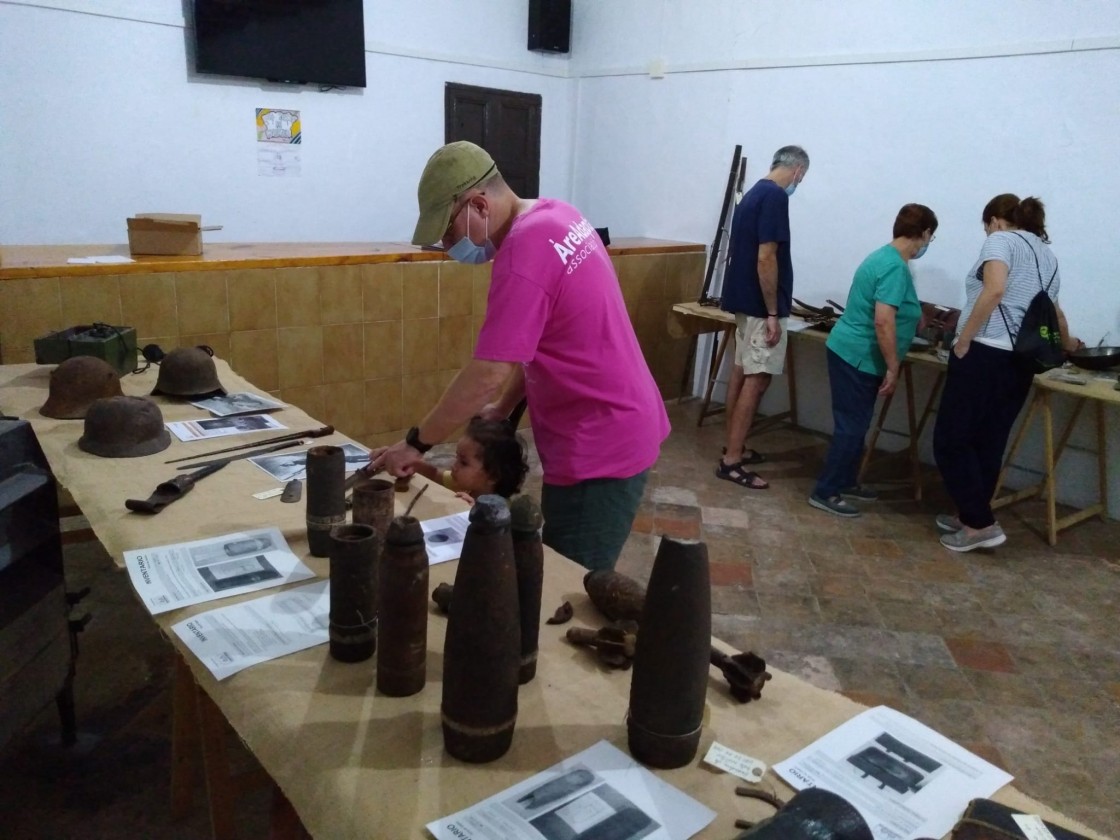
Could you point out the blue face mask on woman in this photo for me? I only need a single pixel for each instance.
(921, 251)
(466, 251)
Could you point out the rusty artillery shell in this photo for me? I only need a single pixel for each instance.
(326, 496)
(670, 676)
(528, 555)
(615, 595)
(402, 615)
(353, 600)
(373, 505)
(483, 644)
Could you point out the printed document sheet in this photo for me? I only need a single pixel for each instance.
(600, 792)
(904, 778)
(171, 576)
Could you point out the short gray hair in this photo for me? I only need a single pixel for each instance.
(791, 156)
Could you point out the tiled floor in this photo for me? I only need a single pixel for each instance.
(1012, 652)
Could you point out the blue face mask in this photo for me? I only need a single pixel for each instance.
(466, 251)
(791, 189)
(921, 251)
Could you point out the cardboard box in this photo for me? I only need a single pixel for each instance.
(166, 234)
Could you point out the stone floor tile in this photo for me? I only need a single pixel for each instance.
(681, 529)
(726, 517)
(723, 574)
(875, 547)
(998, 689)
(672, 495)
(816, 670)
(788, 581)
(904, 615)
(833, 586)
(776, 605)
(980, 655)
(836, 564)
(930, 682)
(848, 610)
(988, 752)
(956, 718)
(735, 600)
(917, 648)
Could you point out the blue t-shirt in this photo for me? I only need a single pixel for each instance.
(884, 277)
(761, 216)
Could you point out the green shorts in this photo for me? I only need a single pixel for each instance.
(589, 522)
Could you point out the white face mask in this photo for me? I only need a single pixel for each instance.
(466, 251)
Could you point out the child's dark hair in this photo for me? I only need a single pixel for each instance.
(503, 454)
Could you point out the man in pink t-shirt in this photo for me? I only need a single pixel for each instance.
(557, 333)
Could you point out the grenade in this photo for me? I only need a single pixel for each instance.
(353, 620)
(528, 555)
(482, 650)
(402, 614)
(616, 596)
(326, 496)
(670, 675)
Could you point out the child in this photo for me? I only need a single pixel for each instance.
(489, 458)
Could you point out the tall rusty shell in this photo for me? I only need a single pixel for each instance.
(670, 674)
(402, 615)
(528, 554)
(615, 595)
(352, 630)
(326, 496)
(482, 650)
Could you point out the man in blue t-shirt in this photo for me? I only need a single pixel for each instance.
(758, 288)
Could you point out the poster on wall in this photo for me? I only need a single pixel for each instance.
(279, 143)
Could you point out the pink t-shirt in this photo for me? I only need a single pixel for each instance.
(555, 306)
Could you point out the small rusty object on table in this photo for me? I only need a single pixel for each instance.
(614, 643)
(745, 672)
(563, 614)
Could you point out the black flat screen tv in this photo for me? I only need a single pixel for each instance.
(301, 41)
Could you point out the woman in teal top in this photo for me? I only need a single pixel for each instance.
(865, 349)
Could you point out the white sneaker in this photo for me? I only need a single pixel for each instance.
(961, 540)
(947, 523)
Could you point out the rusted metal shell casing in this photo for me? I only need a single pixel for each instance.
(528, 555)
(670, 675)
(813, 814)
(402, 614)
(615, 595)
(442, 596)
(326, 496)
(353, 601)
(483, 643)
(373, 505)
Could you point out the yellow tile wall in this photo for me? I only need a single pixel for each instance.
(367, 348)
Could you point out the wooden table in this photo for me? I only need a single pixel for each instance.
(354, 763)
(1101, 393)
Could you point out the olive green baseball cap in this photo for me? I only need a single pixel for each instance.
(449, 173)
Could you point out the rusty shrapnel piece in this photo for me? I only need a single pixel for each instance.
(670, 677)
(528, 555)
(482, 651)
(614, 644)
(326, 499)
(616, 596)
(745, 672)
(353, 599)
(442, 596)
(563, 614)
(402, 613)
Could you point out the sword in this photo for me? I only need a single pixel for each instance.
(314, 433)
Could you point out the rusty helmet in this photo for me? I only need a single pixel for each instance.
(188, 372)
(124, 427)
(76, 383)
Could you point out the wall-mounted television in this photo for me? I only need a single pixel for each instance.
(301, 41)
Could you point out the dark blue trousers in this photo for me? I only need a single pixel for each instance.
(983, 395)
(853, 403)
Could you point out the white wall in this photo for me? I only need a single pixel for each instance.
(101, 116)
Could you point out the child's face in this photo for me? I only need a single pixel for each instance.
(468, 471)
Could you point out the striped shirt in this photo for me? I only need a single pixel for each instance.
(1017, 250)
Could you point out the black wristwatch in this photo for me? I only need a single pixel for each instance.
(413, 440)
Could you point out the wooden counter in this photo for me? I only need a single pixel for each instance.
(346, 331)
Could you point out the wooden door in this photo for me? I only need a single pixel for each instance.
(505, 123)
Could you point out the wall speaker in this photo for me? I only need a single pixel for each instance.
(550, 25)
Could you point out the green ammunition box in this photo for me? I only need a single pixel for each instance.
(116, 345)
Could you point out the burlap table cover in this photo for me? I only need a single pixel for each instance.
(356, 764)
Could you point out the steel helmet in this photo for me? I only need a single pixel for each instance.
(76, 383)
(124, 427)
(188, 372)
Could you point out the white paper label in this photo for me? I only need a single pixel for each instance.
(735, 763)
(1033, 827)
(269, 494)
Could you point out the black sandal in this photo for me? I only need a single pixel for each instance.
(736, 474)
(750, 456)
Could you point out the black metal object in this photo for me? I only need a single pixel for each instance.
(745, 672)
(482, 650)
(812, 814)
(728, 195)
(402, 608)
(253, 453)
(171, 491)
(322, 431)
(326, 498)
(353, 601)
(1096, 358)
(528, 556)
(670, 676)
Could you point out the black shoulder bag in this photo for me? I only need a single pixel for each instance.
(1037, 346)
